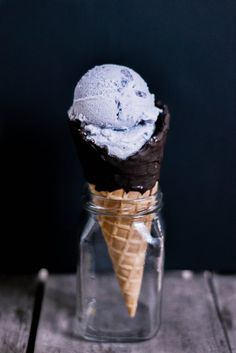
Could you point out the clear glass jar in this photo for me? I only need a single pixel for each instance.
(102, 312)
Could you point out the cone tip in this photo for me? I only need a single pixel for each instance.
(132, 311)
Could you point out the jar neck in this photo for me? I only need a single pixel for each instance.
(131, 204)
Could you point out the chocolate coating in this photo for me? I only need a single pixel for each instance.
(138, 172)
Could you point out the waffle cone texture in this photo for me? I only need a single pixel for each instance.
(126, 246)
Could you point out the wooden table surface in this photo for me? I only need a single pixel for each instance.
(199, 316)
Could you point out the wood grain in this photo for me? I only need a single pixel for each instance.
(225, 290)
(16, 308)
(190, 322)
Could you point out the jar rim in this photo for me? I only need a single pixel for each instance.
(122, 207)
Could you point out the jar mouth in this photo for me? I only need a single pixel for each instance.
(122, 207)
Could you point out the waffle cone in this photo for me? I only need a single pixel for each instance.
(126, 247)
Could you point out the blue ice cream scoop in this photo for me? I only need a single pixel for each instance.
(115, 108)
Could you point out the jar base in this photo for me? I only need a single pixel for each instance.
(109, 339)
(96, 327)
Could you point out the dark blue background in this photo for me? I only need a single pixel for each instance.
(185, 50)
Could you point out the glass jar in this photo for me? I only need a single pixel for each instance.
(106, 309)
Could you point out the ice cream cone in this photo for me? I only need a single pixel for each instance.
(126, 246)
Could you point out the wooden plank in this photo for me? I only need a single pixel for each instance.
(16, 309)
(225, 290)
(190, 322)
